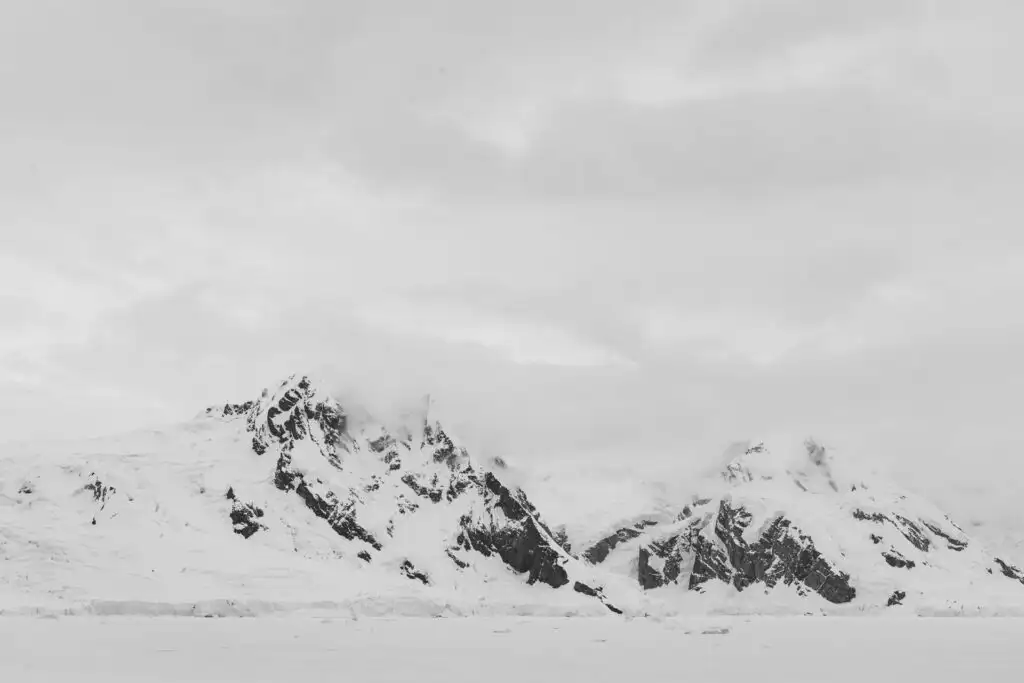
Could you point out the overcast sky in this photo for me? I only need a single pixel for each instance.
(635, 226)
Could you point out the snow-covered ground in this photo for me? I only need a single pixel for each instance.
(761, 649)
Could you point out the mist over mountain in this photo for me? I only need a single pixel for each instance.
(293, 499)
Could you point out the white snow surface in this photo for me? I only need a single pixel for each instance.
(159, 541)
(503, 650)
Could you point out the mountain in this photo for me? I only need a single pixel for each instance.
(284, 498)
(810, 527)
(294, 501)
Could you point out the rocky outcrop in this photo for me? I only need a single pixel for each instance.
(323, 502)
(896, 598)
(910, 530)
(583, 588)
(895, 558)
(781, 554)
(953, 543)
(410, 571)
(244, 516)
(1010, 571)
(101, 493)
(519, 538)
(659, 563)
(230, 410)
(599, 552)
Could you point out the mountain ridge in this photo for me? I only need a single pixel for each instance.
(379, 506)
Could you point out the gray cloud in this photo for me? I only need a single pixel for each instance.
(582, 227)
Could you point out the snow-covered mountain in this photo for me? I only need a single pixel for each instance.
(291, 500)
(810, 527)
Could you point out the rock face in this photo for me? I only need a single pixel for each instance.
(598, 552)
(799, 524)
(344, 475)
(781, 554)
(511, 529)
(244, 516)
(1009, 571)
(894, 558)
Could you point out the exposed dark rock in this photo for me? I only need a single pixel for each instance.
(876, 539)
(244, 517)
(594, 593)
(668, 551)
(101, 493)
(784, 554)
(410, 571)
(405, 506)
(326, 507)
(781, 555)
(442, 445)
(876, 517)
(333, 423)
(1010, 571)
(599, 552)
(912, 532)
(709, 562)
(457, 487)
(895, 558)
(26, 489)
(526, 545)
(364, 556)
(381, 444)
(296, 426)
(454, 558)
(236, 409)
(432, 492)
(896, 598)
(562, 538)
(585, 589)
(952, 543)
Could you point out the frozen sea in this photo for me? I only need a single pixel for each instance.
(500, 650)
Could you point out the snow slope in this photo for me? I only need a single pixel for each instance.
(290, 502)
(507, 650)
